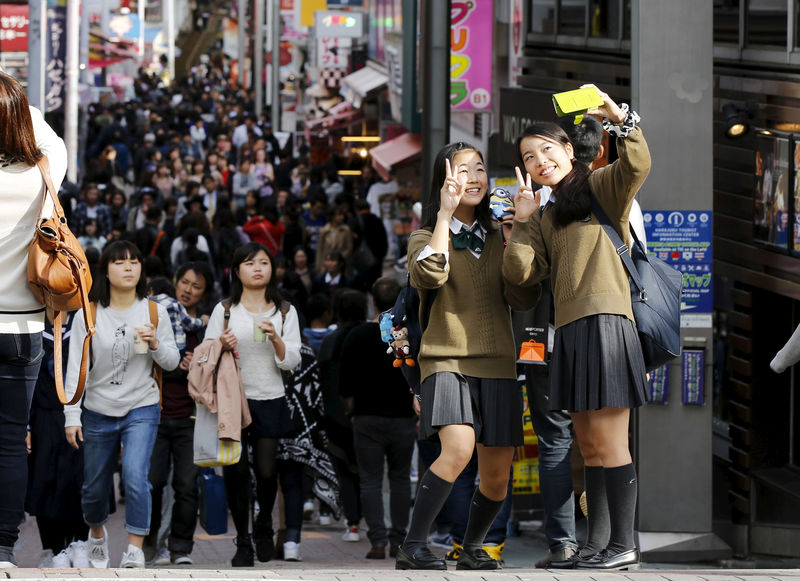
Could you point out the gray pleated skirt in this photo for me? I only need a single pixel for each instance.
(493, 407)
(597, 362)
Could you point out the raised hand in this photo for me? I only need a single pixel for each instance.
(527, 201)
(452, 190)
(610, 110)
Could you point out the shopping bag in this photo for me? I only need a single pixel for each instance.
(213, 507)
(209, 450)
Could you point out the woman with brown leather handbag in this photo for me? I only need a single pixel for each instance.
(25, 139)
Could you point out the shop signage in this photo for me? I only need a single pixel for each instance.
(14, 27)
(519, 108)
(683, 239)
(56, 56)
(333, 53)
(338, 24)
(471, 54)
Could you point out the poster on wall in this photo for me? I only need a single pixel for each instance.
(771, 195)
(471, 55)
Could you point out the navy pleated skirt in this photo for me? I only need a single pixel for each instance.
(493, 407)
(597, 362)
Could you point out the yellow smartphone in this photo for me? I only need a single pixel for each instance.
(577, 102)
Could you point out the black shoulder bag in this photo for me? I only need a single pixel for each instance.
(656, 289)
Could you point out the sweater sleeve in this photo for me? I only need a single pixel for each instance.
(167, 355)
(525, 262)
(72, 413)
(51, 145)
(216, 323)
(291, 339)
(431, 272)
(615, 185)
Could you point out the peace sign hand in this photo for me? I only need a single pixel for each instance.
(610, 110)
(451, 192)
(527, 201)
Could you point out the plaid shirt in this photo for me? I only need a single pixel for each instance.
(181, 321)
(80, 217)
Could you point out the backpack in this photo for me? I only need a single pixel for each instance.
(401, 328)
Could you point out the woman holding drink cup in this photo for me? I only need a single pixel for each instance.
(121, 401)
(265, 336)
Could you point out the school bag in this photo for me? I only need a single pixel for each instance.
(401, 328)
(656, 290)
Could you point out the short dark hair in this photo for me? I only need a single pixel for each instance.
(384, 292)
(201, 268)
(160, 285)
(586, 136)
(119, 250)
(318, 304)
(349, 307)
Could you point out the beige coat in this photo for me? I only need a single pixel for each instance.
(215, 382)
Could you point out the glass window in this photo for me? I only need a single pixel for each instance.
(572, 18)
(766, 23)
(604, 18)
(726, 21)
(543, 16)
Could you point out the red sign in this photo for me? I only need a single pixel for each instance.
(287, 4)
(14, 27)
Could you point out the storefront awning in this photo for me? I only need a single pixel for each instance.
(339, 116)
(395, 152)
(356, 86)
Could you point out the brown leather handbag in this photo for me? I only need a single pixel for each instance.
(59, 278)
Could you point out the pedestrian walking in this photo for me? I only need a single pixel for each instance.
(24, 139)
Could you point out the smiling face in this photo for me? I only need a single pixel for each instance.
(256, 271)
(469, 170)
(546, 161)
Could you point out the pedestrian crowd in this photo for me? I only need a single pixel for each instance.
(204, 231)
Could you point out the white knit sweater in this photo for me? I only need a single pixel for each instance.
(21, 191)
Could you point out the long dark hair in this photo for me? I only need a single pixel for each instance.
(119, 250)
(432, 200)
(243, 254)
(573, 198)
(17, 140)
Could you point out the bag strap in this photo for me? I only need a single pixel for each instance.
(157, 371)
(226, 304)
(621, 247)
(154, 249)
(88, 316)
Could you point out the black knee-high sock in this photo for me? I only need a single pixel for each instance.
(431, 496)
(598, 520)
(621, 490)
(482, 512)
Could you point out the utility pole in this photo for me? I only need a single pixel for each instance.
(169, 8)
(71, 88)
(258, 56)
(37, 53)
(435, 63)
(275, 77)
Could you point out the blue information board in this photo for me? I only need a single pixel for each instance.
(683, 239)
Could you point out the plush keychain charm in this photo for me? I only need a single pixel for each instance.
(401, 347)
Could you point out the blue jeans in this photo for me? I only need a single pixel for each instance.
(554, 431)
(455, 512)
(20, 357)
(102, 436)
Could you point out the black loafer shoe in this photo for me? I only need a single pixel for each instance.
(393, 550)
(377, 553)
(605, 561)
(419, 558)
(477, 560)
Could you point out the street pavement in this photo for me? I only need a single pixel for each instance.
(326, 557)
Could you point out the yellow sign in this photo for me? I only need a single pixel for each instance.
(307, 9)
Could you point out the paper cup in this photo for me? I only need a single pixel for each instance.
(259, 336)
(139, 346)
